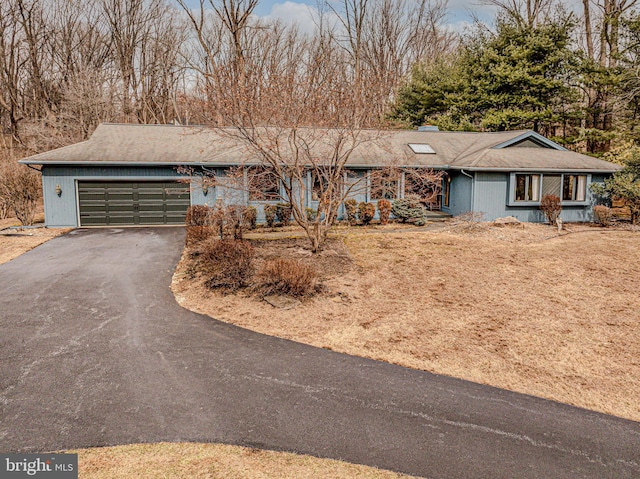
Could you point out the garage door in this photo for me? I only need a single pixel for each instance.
(131, 203)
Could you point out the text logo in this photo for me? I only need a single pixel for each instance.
(49, 466)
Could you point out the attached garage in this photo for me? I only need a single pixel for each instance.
(126, 175)
(126, 203)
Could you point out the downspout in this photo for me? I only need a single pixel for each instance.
(473, 188)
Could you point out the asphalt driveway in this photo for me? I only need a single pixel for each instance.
(95, 351)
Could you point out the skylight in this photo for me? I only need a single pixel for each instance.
(422, 148)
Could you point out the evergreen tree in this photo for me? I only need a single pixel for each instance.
(518, 77)
(429, 95)
(624, 184)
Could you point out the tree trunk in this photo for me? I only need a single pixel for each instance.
(588, 29)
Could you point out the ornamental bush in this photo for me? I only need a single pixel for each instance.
(270, 214)
(196, 234)
(602, 215)
(408, 209)
(312, 214)
(384, 210)
(283, 213)
(197, 215)
(551, 207)
(238, 218)
(366, 212)
(251, 217)
(228, 264)
(287, 276)
(351, 210)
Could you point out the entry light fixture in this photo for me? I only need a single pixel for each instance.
(58, 190)
(205, 190)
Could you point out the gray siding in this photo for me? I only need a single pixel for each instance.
(491, 195)
(459, 194)
(487, 193)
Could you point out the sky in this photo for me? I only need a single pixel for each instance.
(460, 11)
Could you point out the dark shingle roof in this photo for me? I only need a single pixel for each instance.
(124, 144)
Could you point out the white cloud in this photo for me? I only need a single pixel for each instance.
(294, 13)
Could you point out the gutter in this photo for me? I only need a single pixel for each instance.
(431, 167)
(116, 163)
(542, 170)
(191, 163)
(204, 163)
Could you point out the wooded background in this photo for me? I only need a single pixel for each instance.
(67, 65)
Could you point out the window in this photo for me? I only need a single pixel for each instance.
(320, 184)
(567, 187)
(551, 185)
(422, 148)
(384, 185)
(425, 184)
(527, 187)
(574, 188)
(263, 184)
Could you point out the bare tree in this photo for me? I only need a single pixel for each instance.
(146, 46)
(588, 28)
(384, 38)
(12, 60)
(20, 190)
(525, 13)
(611, 11)
(289, 102)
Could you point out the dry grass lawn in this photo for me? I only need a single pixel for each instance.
(529, 310)
(13, 243)
(199, 461)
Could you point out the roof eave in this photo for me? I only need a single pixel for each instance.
(542, 170)
(192, 163)
(26, 161)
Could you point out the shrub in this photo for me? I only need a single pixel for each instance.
(469, 222)
(20, 190)
(384, 210)
(270, 214)
(251, 217)
(287, 276)
(197, 215)
(227, 263)
(551, 207)
(366, 212)
(283, 213)
(408, 209)
(602, 215)
(236, 218)
(312, 214)
(351, 210)
(197, 234)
